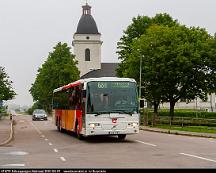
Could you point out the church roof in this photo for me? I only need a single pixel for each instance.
(87, 24)
(107, 70)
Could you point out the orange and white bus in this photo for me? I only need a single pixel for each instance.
(97, 106)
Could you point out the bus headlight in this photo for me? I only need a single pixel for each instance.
(93, 125)
(133, 124)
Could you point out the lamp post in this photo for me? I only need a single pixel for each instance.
(140, 78)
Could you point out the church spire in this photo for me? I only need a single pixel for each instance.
(86, 9)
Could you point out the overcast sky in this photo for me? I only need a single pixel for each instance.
(29, 29)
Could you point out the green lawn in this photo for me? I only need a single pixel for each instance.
(201, 129)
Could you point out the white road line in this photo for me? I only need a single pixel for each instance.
(42, 136)
(55, 150)
(212, 141)
(190, 155)
(50, 143)
(40, 133)
(46, 139)
(16, 165)
(63, 159)
(146, 143)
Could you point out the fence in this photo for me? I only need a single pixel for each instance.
(180, 119)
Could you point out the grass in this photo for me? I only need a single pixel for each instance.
(200, 129)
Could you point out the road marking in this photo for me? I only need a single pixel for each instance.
(17, 165)
(212, 140)
(146, 143)
(63, 159)
(46, 139)
(190, 155)
(40, 133)
(55, 150)
(42, 136)
(18, 153)
(50, 143)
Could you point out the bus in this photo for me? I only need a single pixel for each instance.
(97, 106)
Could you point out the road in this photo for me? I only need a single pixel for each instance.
(38, 144)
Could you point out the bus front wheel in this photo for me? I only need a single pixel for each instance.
(121, 136)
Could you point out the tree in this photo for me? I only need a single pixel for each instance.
(59, 69)
(6, 90)
(135, 31)
(177, 63)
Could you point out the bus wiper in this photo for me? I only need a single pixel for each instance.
(100, 113)
(122, 111)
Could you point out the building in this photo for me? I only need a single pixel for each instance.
(197, 104)
(87, 48)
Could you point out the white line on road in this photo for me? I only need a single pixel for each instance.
(16, 165)
(46, 139)
(40, 133)
(190, 155)
(63, 159)
(42, 136)
(146, 143)
(212, 141)
(55, 150)
(50, 143)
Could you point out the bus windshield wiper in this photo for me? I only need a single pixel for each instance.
(121, 111)
(100, 113)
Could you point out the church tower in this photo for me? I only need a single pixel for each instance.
(87, 43)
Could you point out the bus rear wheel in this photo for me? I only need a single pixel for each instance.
(59, 126)
(121, 136)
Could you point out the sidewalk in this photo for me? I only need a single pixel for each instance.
(177, 132)
(5, 130)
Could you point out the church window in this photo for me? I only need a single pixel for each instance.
(87, 55)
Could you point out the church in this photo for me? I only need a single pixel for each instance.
(87, 48)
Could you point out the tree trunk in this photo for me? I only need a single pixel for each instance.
(172, 106)
(145, 117)
(155, 114)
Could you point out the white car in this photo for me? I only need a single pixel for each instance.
(39, 114)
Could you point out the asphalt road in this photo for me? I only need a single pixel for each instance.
(38, 144)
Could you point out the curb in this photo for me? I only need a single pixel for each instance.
(11, 136)
(178, 133)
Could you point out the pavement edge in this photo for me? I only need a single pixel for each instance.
(11, 136)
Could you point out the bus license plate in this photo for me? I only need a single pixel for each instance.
(114, 133)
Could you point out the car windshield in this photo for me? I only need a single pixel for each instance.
(39, 111)
(111, 97)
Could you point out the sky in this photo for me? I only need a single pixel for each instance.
(29, 29)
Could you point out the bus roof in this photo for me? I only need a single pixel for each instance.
(85, 81)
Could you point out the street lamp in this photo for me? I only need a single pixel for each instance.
(140, 78)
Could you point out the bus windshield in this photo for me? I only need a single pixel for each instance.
(112, 97)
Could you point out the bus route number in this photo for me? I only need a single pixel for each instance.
(102, 85)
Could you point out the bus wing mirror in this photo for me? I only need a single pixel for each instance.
(142, 103)
(83, 93)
